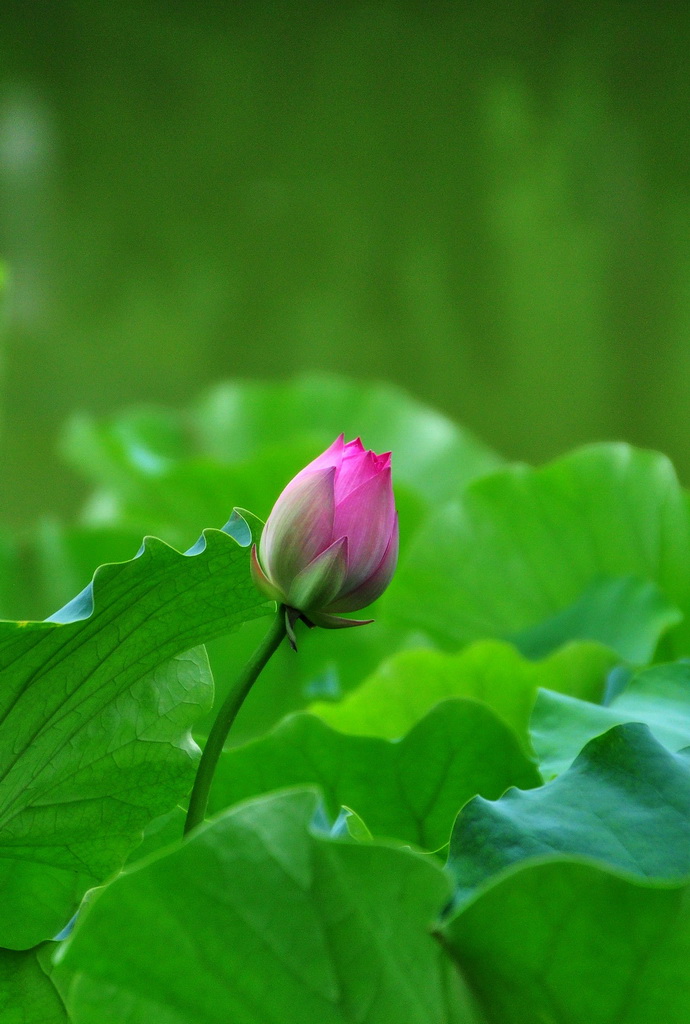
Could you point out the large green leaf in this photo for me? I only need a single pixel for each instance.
(408, 685)
(566, 942)
(523, 545)
(27, 996)
(329, 662)
(625, 614)
(257, 918)
(625, 801)
(409, 790)
(658, 696)
(95, 711)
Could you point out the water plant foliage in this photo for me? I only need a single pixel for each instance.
(475, 810)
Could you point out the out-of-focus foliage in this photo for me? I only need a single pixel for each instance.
(486, 202)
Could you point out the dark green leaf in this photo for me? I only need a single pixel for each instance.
(625, 801)
(565, 942)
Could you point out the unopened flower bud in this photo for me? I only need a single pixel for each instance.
(330, 544)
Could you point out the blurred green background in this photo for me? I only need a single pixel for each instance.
(487, 203)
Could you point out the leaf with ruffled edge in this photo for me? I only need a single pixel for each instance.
(658, 696)
(409, 790)
(96, 707)
(625, 802)
(593, 546)
(258, 918)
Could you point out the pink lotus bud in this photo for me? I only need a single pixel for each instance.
(330, 544)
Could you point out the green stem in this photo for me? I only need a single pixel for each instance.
(226, 716)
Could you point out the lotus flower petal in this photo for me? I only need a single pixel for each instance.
(299, 527)
(320, 581)
(375, 584)
(355, 469)
(366, 517)
(262, 581)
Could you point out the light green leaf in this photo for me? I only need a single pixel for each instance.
(27, 995)
(166, 470)
(625, 614)
(562, 725)
(565, 942)
(431, 454)
(409, 684)
(255, 918)
(95, 711)
(658, 696)
(625, 801)
(523, 545)
(409, 790)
